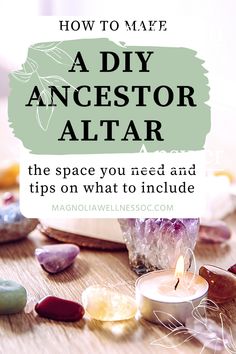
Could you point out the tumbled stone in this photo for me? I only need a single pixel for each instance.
(209, 333)
(222, 284)
(58, 309)
(13, 225)
(56, 258)
(13, 297)
(232, 269)
(214, 232)
(8, 198)
(9, 172)
(105, 304)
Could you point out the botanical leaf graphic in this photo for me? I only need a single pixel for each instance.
(168, 341)
(170, 323)
(208, 304)
(191, 255)
(197, 314)
(45, 46)
(203, 329)
(56, 80)
(30, 66)
(22, 76)
(44, 114)
(227, 335)
(209, 333)
(200, 312)
(59, 56)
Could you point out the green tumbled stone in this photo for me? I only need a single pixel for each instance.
(13, 297)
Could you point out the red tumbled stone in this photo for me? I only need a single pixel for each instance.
(222, 284)
(58, 309)
(232, 269)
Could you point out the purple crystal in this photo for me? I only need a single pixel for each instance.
(158, 243)
(55, 258)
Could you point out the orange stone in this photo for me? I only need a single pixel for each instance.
(105, 304)
(9, 172)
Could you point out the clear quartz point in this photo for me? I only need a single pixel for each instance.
(29, 307)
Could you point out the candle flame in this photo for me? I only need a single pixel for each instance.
(179, 269)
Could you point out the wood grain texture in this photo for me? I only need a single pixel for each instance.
(28, 333)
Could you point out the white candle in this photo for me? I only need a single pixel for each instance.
(157, 291)
(160, 286)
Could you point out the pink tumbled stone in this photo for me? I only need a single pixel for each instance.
(214, 232)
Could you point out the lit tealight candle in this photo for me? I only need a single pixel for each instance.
(169, 292)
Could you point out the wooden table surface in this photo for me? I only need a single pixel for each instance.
(28, 333)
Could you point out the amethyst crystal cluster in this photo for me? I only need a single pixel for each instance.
(158, 243)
